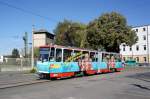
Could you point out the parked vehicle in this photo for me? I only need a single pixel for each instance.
(130, 62)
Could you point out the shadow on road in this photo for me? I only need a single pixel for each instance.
(140, 86)
(141, 76)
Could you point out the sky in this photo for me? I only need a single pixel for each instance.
(18, 16)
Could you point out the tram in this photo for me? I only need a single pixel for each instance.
(60, 62)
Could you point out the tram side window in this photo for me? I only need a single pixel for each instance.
(51, 54)
(58, 55)
(112, 57)
(67, 55)
(77, 56)
(105, 57)
(92, 56)
(118, 58)
(115, 57)
(86, 56)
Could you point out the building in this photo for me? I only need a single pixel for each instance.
(1, 59)
(139, 51)
(42, 37)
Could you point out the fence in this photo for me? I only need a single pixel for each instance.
(15, 64)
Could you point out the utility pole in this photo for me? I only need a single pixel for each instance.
(25, 38)
(32, 56)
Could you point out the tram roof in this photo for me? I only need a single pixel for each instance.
(109, 52)
(68, 47)
(75, 48)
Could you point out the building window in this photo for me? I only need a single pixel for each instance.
(144, 47)
(144, 29)
(130, 48)
(124, 48)
(137, 59)
(144, 59)
(136, 30)
(144, 37)
(137, 47)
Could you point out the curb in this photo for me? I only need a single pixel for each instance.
(22, 84)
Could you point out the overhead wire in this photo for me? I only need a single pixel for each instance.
(27, 11)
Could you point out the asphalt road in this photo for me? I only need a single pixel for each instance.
(132, 84)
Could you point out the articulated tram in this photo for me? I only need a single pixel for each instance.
(60, 62)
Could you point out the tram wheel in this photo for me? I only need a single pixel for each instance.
(113, 70)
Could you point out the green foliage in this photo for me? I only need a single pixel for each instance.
(15, 53)
(109, 31)
(106, 32)
(69, 33)
(36, 52)
(33, 70)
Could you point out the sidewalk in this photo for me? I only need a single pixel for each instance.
(11, 79)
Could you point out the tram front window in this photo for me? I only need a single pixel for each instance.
(44, 57)
(44, 54)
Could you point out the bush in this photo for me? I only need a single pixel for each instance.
(33, 70)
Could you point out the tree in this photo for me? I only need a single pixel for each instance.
(36, 52)
(69, 33)
(15, 53)
(108, 31)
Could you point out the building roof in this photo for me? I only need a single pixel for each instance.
(140, 26)
(43, 31)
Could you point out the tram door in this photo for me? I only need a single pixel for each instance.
(69, 61)
(94, 60)
(105, 59)
(77, 59)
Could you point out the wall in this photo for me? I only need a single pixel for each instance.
(39, 39)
